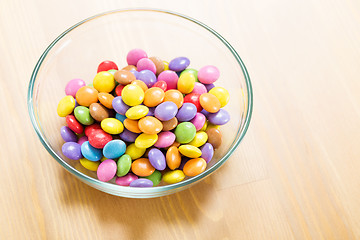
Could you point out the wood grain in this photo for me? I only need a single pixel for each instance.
(295, 175)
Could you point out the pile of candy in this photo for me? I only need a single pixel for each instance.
(149, 122)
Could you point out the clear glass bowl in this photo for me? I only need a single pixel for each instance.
(77, 52)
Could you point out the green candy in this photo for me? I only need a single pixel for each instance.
(123, 165)
(155, 177)
(82, 114)
(192, 71)
(185, 132)
(112, 71)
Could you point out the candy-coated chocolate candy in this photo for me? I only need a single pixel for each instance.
(199, 139)
(151, 112)
(155, 177)
(186, 83)
(128, 136)
(98, 138)
(170, 78)
(106, 66)
(150, 125)
(154, 96)
(82, 114)
(166, 65)
(82, 140)
(219, 118)
(98, 112)
(184, 160)
(135, 55)
(135, 152)
(106, 170)
(190, 70)
(114, 149)
(148, 77)
(146, 140)
(140, 84)
(159, 64)
(194, 98)
(210, 125)
(199, 88)
(174, 96)
(142, 167)
(190, 151)
(118, 89)
(124, 77)
(186, 112)
(66, 106)
(146, 64)
(204, 128)
(209, 86)
(172, 177)
(208, 74)
(173, 158)
(73, 124)
(157, 159)
(161, 84)
(104, 82)
(106, 99)
(222, 94)
(194, 167)
(210, 103)
(175, 144)
(170, 124)
(214, 137)
(198, 121)
(132, 125)
(112, 126)
(185, 132)
(86, 95)
(207, 152)
(165, 139)
(120, 117)
(126, 180)
(137, 112)
(89, 165)
(178, 64)
(73, 86)
(119, 105)
(133, 95)
(112, 71)
(91, 153)
(91, 128)
(72, 150)
(123, 165)
(67, 134)
(141, 182)
(166, 111)
(129, 68)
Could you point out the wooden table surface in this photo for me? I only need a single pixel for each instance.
(297, 169)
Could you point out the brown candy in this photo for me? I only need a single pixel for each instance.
(86, 95)
(170, 124)
(129, 67)
(159, 64)
(214, 137)
(106, 99)
(124, 77)
(99, 112)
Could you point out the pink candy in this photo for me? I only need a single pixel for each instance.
(170, 77)
(165, 139)
(106, 170)
(82, 140)
(135, 55)
(73, 86)
(126, 180)
(199, 88)
(208, 74)
(198, 121)
(146, 64)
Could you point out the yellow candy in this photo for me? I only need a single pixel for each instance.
(146, 140)
(166, 65)
(137, 112)
(186, 83)
(112, 126)
(89, 165)
(190, 151)
(66, 106)
(134, 152)
(104, 82)
(222, 94)
(174, 176)
(132, 95)
(200, 139)
(205, 126)
(210, 125)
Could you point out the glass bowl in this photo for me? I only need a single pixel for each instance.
(77, 52)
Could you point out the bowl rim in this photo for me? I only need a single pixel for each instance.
(124, 189)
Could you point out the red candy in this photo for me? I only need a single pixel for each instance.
(119, 89)
(99, 138)
(73, 124)
(106, 66)
(91, 128)
(193, 98)
(161, 84)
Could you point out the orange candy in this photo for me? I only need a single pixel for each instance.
(210, 103)
(170, 124)
(140, 84)
(132, 125)
(174, 96)
(142, 167)
(194, 167)
(86, 95)
(106, 99)
(153, 96)
(173, 158)
(150, 125)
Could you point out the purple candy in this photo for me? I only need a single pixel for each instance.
(141, 182)
(179, 64)
(82, 140)
(207, 152)
(68, 135)
(148, 77)
(126, 180)
(157, 159)
(209, 86)
(119, 105)
(151, 111)
(166, 111)
(219, 118)
(206, 113)
(72, 150)
(186, 112)
(128, 136)
(134, 72)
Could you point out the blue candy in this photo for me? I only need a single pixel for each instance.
(91, 153)
(114, 149)
(120, 117)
